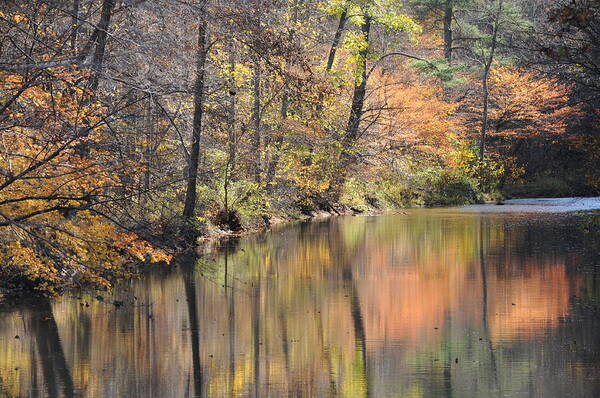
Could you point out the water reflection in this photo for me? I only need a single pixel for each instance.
(428, 304)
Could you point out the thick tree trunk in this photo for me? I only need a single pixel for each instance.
(336, 40)
(356, 111)
(448, 14)
(360, 89)
(192, 172)
(101, 38)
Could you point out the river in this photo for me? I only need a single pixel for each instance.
(481, 301)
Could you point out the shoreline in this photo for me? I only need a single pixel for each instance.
(217, 235)
(203, 245)
(208, 243)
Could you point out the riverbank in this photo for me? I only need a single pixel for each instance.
(14, 289)
(214, 235)
(535, 205)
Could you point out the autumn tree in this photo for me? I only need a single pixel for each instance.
(58, 184)
(524, 107)
(192, 173)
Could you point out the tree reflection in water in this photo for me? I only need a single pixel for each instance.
(353, 307)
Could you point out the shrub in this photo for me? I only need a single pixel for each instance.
(397, 194)
(487, 173)
(355, 194)
(451, 188)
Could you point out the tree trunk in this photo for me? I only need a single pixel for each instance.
(330, 61)
(232, 112)
(232, 135)
(332, 52)
(336, 40)
(486, 74)
(356, 112)
(101, 38)
(192, 174)
(448, 13)
(360, 89)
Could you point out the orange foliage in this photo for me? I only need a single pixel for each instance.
(523, 104)
(52, 185)
(411, 112)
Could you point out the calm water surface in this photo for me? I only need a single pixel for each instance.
(431, 303)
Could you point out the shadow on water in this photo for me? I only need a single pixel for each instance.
(360, 336)
(57, 376)
(344, 256)
(189, 265)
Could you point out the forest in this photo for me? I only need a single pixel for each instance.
(129, 129)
